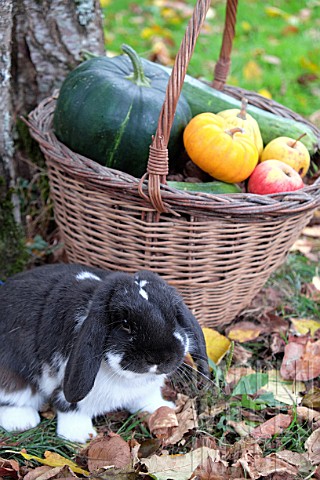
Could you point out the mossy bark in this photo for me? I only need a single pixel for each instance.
(13, 253)
(41, 41)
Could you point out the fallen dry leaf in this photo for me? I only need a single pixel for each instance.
(211, 470)
(217, 344)
(54, 460)
(272, 426)
(244, 332)
(170, 425)
(56, 473)
(241, 355)
(273, 464)
(9, 469)
(242, 428)
(301, 361)
(108, 450)
(296, 459)
(305, 246)
(306, 414)
(312, 398)
(178, 467)
(234, 374)
(37, 472)
(312, 446)
(305, 325)
(162, 421)
(285, 391)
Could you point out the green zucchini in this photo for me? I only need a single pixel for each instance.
(206, 187)
(203, 98)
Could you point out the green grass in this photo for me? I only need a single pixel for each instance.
(276, 45)
(35, 441)
(291, 278)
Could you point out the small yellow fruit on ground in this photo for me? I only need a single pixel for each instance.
(290, 151)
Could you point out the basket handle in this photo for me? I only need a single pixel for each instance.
(158, 161)
(222, 66)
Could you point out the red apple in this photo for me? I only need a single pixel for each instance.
(290, 151)
(273, 176)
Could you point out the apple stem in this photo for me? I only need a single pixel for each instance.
(243, 112)
(234, 130)
(297, 140)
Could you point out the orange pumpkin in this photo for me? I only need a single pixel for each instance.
(229, 155)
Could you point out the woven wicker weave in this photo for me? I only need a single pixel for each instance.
(218, 250)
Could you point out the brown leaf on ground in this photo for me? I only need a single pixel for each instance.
(50, 473)
(234, 374)
(211, 470)
(273, 464)
(305, 246)
(255, 466)
(241, 355)
(274, 323)
(171, 425)
(306, 414)
(299, 460)
(108, 450)
(37, 472)
(277, 344)
(301, 361)
(162, 421)
(244, 331)
(241, 428)
(272, 426)
(312, 398)
(312, 446)
(9, 468)
(178, 467)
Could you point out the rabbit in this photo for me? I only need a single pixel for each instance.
(89, 341)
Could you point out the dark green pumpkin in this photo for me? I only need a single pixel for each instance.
(108, 110)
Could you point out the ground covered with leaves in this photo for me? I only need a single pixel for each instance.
(257, 417)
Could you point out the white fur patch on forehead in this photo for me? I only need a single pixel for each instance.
(87, 275)
(185, 341)
(141, 284)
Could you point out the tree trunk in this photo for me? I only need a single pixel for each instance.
(49, 36)
(6, 142)
(41, 41)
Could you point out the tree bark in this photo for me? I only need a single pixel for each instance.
(41, 41)
(48, 37)
(6, 142)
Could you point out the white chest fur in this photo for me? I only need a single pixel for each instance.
(112, 391)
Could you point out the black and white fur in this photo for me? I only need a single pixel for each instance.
(89, 341)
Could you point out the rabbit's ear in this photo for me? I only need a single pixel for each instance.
(197, 344)
(85, 358)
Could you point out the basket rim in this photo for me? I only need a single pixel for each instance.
(40, 122)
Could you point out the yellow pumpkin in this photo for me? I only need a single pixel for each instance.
(240, 118)
(229, 155)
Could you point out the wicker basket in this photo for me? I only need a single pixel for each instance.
(218, 250)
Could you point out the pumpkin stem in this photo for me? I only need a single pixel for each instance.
(138, 77)
(297, 140)
(234, 130)
(243, 112)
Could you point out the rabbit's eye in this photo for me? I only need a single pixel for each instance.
(125, 326)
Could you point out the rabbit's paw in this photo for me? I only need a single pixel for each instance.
(18, 418)
(75, 427)
(150, 403)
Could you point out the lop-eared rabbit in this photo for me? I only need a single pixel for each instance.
(89, 342)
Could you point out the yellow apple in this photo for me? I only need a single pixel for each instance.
(290, 151)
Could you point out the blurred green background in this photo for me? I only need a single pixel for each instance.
(276, 50)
